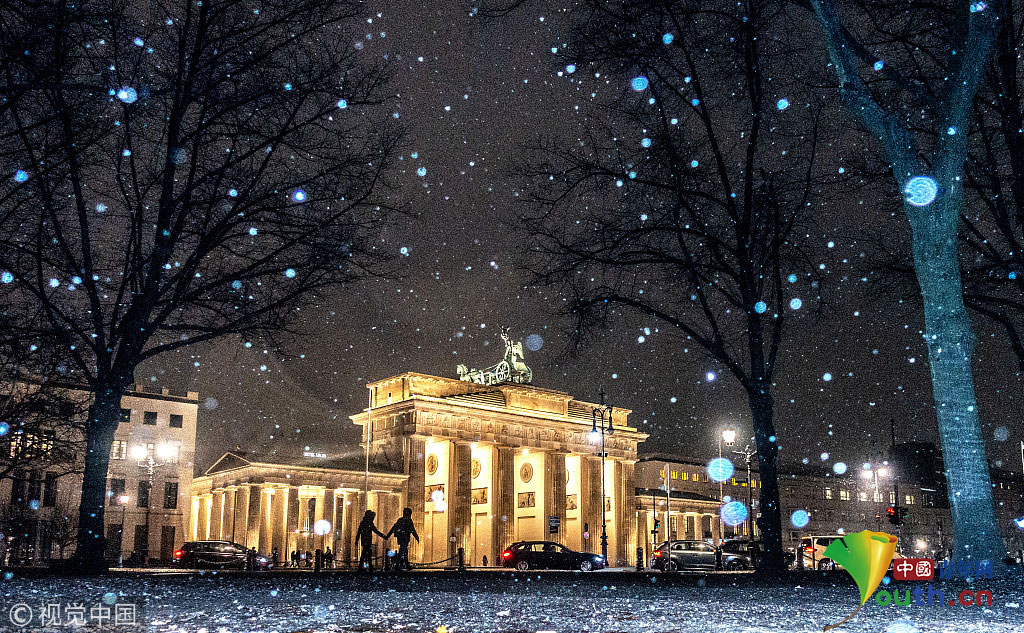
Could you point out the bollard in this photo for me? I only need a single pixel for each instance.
(462, 559)
(639, 559)
(318, 561)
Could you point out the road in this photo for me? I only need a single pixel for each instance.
(505, 602)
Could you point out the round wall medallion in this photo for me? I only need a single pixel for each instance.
(526, 472)
(475, 468)
(431, 464)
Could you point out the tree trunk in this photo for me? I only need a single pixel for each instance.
(762, 408)
(950, 342)
(104, 415)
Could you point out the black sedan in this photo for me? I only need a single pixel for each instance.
(526, 555)
(217, 555)
(740, 554)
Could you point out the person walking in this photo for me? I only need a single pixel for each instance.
(309, 559)
(403, 530)
(273, 556)
(329, 558)
(364, 539)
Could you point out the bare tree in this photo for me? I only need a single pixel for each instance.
(686, 199)
(42, 415)
(180, 172)
(921, 120)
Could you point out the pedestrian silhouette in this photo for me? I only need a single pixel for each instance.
(329, 558)
(309, 559)
(364, 539)
(403, 530)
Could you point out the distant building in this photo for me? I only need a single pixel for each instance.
(687, 506)
(148, 483)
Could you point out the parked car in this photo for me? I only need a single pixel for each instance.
(680, 555)
(812, 551)
(216, 555)
(547, 555)
(740, 554)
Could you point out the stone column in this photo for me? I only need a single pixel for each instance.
(217, 515)
(228, 521)
(347, 503)
(267, 495)
(358, 507)
(287, 520)
(460, 481)
(554, 493)
(503, 509)
(625, 515)
(592, 505)
(415, 467)
(328, 514)
(254, 502)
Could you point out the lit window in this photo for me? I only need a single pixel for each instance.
(119, 449)
(909, 500)
(828, 493)
(844, 495)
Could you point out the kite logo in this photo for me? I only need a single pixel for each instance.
(865, 556)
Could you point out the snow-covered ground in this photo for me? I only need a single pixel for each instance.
(213, 603)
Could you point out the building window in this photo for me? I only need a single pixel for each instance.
(116, 490)
(844, 494)
(50, 490)
(126, 416)
(176, 420)
(878, 496)
(908, 499)
(143, 499)
(119, 449)
(862, 496)
(149, 417)
(892, 497)
(35, 486)
(828, 493)
(171, 495)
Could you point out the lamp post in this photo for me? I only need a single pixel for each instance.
(599, 431)
(123, 500)
(872, 472)
(728, 436)
(747, 453)
(144, 458)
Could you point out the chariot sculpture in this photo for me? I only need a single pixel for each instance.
(512, 367)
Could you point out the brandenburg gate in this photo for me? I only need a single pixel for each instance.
(483, 460)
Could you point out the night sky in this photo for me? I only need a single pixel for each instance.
(471, 94)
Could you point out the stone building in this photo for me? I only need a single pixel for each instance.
(148, 483)
(687, 506)
(481, 463)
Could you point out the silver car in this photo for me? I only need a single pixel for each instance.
(683, 555)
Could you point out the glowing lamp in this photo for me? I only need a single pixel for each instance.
(729, 436)
(165, 451)
(322, 527)
(138, 452)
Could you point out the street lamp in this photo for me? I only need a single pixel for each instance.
(870, 472)
(599, 431)
(728, 436)
(144, 457)
(747, 453)
(123, 500)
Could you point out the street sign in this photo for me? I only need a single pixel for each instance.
(553, 522)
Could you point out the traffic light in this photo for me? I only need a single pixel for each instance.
(657, 524)
(896, 518)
